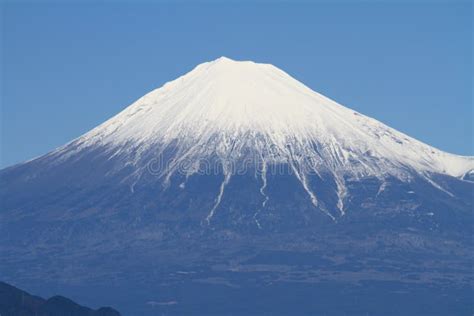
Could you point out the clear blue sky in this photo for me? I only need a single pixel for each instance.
(67, 68)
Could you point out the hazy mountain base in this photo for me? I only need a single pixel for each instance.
(393, 262)
(394, 273)
(403, 250)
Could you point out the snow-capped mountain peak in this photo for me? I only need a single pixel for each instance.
(229, 110)
(237, 100)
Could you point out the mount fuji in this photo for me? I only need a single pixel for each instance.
(236, 189)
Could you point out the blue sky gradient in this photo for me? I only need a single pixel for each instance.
(68, 67)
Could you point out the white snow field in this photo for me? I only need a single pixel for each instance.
(226, 108)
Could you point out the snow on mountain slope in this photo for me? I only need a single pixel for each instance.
(234, 99)
(226, 109)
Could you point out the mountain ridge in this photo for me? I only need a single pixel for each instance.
(15, 302)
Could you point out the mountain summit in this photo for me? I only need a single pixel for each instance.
(241, 100)
(214, 173)
(240, 114)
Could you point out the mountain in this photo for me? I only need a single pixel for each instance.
(15, 302)
(235, 180)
